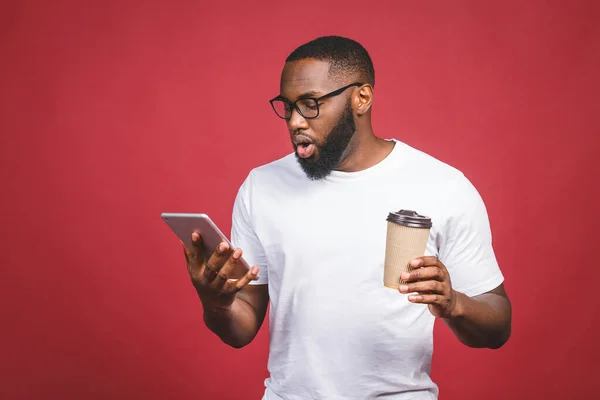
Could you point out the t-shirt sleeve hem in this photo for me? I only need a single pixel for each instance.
(483, 287)
(259, 281)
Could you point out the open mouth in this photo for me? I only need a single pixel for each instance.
(305, 150)
(304, 146)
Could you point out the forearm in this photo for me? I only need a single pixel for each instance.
(235, 325)
(481, 321)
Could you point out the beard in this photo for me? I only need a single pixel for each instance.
(331, 151)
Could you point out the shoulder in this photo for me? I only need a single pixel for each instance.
(452, 190)
(277, 168)
(427, 169)
(268, 176)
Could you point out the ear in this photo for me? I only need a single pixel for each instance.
(364, 99)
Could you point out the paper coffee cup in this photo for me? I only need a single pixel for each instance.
(407, 235)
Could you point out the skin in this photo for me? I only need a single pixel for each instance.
(235, 311)
(332, 150)
(479, 321)
(312, 77)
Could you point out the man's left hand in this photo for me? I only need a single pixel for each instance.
(429, 283)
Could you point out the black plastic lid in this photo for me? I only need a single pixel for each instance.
(409, 218)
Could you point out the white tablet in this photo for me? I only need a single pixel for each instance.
(184, 224)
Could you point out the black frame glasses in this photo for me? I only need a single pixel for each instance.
(308, 103)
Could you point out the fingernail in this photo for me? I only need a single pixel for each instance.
(237, 254)
(254, 270)
(403, 288)
(416, 262)
(405, 276)
(222, 247)
(195, 237)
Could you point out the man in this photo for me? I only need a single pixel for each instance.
(313, 225)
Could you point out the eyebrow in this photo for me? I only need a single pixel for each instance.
(305, 95)
(312, 93)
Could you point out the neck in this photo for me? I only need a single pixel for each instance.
(364, 150)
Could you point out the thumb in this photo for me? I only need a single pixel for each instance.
(186, 251)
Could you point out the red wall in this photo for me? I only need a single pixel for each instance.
(115, 112)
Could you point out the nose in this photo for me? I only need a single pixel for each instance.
(297, 121)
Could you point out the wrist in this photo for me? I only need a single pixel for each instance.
(458, 308)
(214, 305)
(216, 316)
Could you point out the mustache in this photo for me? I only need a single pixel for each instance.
(301, 137)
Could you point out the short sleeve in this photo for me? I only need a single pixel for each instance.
(242, 232)
(465, 242)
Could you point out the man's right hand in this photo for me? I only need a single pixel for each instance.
(211, 277)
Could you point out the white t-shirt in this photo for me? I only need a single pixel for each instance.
(336, 332)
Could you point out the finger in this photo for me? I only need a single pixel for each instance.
(196, 253)
(429, 299)
(223, 273)
(193, 264)
(193, 258)
(423, 274)
(215, 261)
(434, 287)
(426, 261)
(241, 283)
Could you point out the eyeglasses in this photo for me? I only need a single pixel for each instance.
(307, 107)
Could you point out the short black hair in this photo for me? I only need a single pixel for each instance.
(346, 56)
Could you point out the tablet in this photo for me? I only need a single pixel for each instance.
(184, 224)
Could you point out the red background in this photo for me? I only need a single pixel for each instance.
(113, 112)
